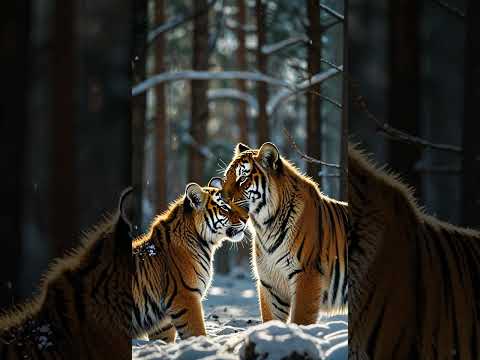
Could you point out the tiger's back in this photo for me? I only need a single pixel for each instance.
(413, 278)
(82, 309)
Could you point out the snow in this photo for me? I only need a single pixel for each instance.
(236, 332)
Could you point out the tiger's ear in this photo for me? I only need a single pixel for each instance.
(269, 155)
(240, 148)
(195, 194)
(216, 182)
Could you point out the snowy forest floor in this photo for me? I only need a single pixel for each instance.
(235, 332)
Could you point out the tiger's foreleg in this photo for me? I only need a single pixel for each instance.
(187, 315)
(166, 333)
(306, 298)
(271, 307)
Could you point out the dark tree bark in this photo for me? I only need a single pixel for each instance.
(263, 132)
(139, 105)
(404, 85)
(14, 62)
(346, 105)
(471, 145)
(314, 116)
(242, 119)
(103, 137)
(63, 186)
(160, 118)
(199, 102)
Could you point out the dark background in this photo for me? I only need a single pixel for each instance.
(65, 131)
(415, 64)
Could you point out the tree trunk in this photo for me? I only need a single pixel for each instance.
(346, 106)
(403, 88)
(139, 106)
(160, 118)
(263, 133)
(15, 29)
(103, 138)
(199, 102)
(471, 147)
(242, 119)
(63, 186)
(314, 116)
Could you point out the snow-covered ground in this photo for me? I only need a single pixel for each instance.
(235, 331)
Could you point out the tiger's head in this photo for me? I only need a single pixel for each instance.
(250, 176)
(214, 219)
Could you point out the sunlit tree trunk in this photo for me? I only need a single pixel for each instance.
(199, 103)
(263, 132)
(314, 116)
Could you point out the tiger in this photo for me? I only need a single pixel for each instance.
(299, 247)
(82, 310)
(173, 262)
(414, 280)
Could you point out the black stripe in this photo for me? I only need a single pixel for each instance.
(178, 314)
(265, 285)
(300, 249)
(283, 257)
(283, 226)
(336, 281)
(293, 273)
(179, 327)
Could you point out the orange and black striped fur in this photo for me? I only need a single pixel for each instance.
(299, 247)
(84, 305)
(173, 262)
(414, 280)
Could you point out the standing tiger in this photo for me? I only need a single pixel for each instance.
(415, 280)
(84, 305)
(299, 248)
(173, 262)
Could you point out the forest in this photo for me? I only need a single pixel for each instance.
(156, 94)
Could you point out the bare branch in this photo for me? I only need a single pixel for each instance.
(176, 21)
(201, 149)
(332, 12)
(227, 93)
(284, 94)
(206, 75)
(451, 9)
(304, 156)
(400, 135)
(272, 48)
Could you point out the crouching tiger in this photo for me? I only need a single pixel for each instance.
(414, 291)
(299, 248)
(83, 308)
(173, 262)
